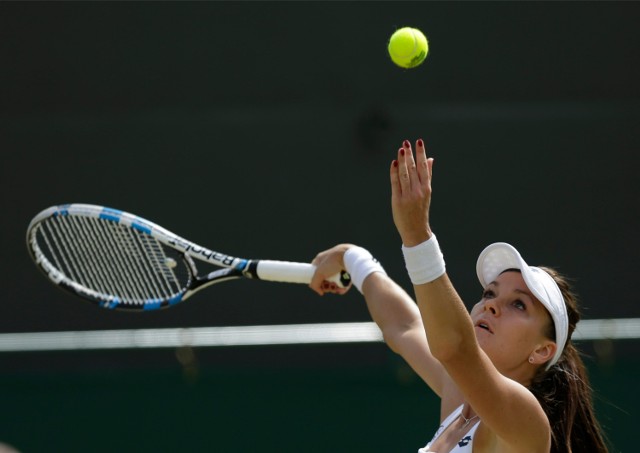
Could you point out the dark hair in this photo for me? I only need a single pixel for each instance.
(564, 391)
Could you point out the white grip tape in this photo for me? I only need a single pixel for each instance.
(289, 272)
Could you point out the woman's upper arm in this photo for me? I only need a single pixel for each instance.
(399, 319)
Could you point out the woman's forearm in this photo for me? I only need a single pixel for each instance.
(446, 320)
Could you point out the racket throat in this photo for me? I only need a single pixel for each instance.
(250, 269)
(217, 276)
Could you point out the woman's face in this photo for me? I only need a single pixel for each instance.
(509, 321)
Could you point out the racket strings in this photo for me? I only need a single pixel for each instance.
(48, 238)
(113, 263)
(138, 263)
(75, 262)
(161, 262)
(113, 259)
(95, 270)
(87, 257)
(151, 262)
(131, 257)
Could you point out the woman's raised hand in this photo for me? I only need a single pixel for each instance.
(411, 193)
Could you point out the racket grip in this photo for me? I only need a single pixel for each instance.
(289, 272)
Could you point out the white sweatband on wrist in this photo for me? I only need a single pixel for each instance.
(359, 263)
(424, 262)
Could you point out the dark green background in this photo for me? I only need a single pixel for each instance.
(266, 130)
(276, 399)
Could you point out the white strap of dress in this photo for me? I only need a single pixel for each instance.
(444, 425)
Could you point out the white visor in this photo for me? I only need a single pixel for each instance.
(499, 257)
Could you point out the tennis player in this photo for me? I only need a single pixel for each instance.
(508, 376)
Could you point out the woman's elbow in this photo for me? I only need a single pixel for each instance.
(404, 338)
(392, 340)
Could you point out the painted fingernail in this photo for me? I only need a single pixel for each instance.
(420, 142)
(402, 151)
(395, 163)
(406, 144)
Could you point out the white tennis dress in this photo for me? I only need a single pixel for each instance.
(464, 445)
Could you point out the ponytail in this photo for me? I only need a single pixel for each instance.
(565, 394)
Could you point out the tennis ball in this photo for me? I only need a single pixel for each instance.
(408, 47)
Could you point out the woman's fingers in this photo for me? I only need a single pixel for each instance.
(423, 163)
(409, 173)
(404, 175)
(395, 179)
(411, 193)
(317, 280)
(328, 263)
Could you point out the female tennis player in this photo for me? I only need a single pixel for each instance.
(508, 376)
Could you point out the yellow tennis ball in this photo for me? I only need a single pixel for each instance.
(408, 47)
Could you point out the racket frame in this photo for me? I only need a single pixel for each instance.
(231, 267)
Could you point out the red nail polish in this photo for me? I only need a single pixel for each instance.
(402, 151)
(420, 142)
(406, 144)
(395, 163)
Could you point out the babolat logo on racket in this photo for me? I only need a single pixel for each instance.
(206, 253)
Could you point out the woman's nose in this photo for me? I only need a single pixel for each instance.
(493, 306)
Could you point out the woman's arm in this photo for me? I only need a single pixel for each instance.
(392, 310)
(504, 406)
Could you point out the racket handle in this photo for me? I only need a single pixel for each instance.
(289, 272)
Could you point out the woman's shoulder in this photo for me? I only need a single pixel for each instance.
(501, 417)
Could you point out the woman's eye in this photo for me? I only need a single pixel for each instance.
(520, 305)
(487, 294)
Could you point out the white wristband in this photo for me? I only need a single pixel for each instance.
(360, 264)
(424, 262)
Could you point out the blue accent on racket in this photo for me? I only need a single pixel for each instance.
(111, 214)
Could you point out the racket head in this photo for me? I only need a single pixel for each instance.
(110, 257)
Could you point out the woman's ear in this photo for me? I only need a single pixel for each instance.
(543, 353)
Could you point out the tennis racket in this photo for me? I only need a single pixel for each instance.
(120, 261)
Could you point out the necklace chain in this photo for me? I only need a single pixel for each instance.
(467, 420)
